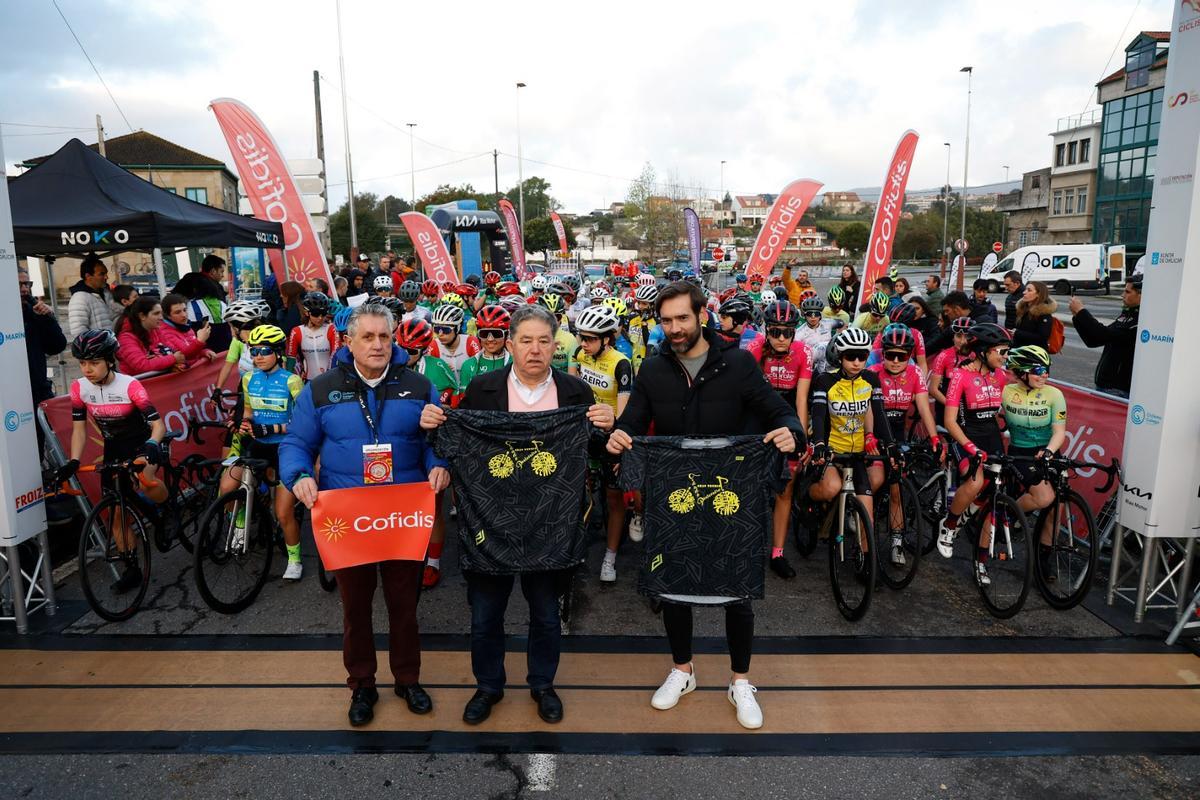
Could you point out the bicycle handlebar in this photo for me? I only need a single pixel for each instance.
(196, 425)
(133, 465)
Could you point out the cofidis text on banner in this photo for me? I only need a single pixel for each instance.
(366, 525)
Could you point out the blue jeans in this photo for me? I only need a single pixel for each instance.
(488, 596)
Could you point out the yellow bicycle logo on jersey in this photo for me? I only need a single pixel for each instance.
(503, 465)
(724, 501)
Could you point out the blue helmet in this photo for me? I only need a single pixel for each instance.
(341, 320)
(740, 278)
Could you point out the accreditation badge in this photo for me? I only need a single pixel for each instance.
(377, 464)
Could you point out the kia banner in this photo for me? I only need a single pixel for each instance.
(516, 245)
(692, 222)
(560, 231)
(272, 192)
(430, 247)
(887, 212)
(370, 524)
(179, 397)
(781, 221)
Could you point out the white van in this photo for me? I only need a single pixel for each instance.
(1063, 267)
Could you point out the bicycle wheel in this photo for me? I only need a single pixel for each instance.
(1010, 566)
(803, 521)
(114, 581)
(912, 536)
(852, 571)
(1072, 555)
(198, 486)
(933, 485)
(232, 563)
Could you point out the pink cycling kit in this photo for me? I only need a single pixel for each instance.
(899, 391)
(121, 407)
(919, 350)
(977, 397)
(784, 373)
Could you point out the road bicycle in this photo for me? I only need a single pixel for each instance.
(192, 484)
(724, 501)
(505, 464)
(899, 549)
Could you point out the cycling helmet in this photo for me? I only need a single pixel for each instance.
(646, 279)
(599, 292)
(430, 288)
(573, 282)
(316, 303)
(241, 312)
(812, 304)
(512, 302)
(836, 296)
(674, 274)
(559, 288)
(852, 339)
(448, 315)
(647, 293)
(264, 308)
(740, 278)
(898, 336)
(1023, 359)
(538, 284)
(95, 343)
(416, 334)
(506, 288)
(692, 278)
(392, 304)
(552, 302)
(807, 293)
(781, 312)
(341, 320)
(735, 307)
(879, 303)
(903, 313)
(775, 280)
(618, 305)
(382, 283)
(454, 299)
(987, 335)
(767, 297)
(466, 290)
(962, 325)
(269, 335)
(492, 318)
(492, 278)
(597, 319)
(473, 280)
(756, 278)
(409, 292)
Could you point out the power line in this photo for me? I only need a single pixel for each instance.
(421, 169)
(89, 60)
(56, 127)
(1116, 45)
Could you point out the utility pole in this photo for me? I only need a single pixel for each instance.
(520, 164)
(966, 161)
(346, 135)
(324, 237)
(496, 170)
(100, 136)
(945, 209)
(412, 169)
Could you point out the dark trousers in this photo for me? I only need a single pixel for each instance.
(401, 588)
(488, 596)
(739, 633)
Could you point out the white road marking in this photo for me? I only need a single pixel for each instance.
(541, 772)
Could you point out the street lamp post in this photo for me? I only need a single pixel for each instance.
(966, 161)
(945, 209)
(721, 196)
(412, 170)
(520, 164)
(1004, 217)
(346, 135)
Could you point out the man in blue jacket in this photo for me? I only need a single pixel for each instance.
(368, 407)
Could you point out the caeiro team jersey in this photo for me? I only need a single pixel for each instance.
(610, 375)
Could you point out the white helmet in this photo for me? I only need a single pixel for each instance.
(646, 279)
(448, 315)
(647, 294)
(852, 339)
(538, 284)
(598, 292)
(597, 319)
(263, 307)
(768, 297)
(242, 311)
(382, 283)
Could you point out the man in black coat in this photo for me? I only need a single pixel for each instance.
(1013, 289)
(43, 337)
(1114, 370)
(527, 384)
(699, 385)
(206, 287)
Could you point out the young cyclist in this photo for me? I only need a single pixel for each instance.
(972, 403)
(243, 316)
(269, 395)
(734, 315)
(755, 291)
(610, 375)
(621, 344)
(311, 345)
(565, 345)
(787, 365)
(946, 361)
(875, 318)
(382, 285)
(129, 425)
(455, 346)
(493, 335)
(410, 295)
(430, 292)
(814, 333)
(1035, 414)
(643, 324)
(836, 310)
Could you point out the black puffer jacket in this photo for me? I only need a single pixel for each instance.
(1114, 370)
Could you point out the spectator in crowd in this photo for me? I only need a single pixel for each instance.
(887, 286)
(341, 286)
(955, 305)
(1014, 292)
(851, 285)
(206, 292)
(795, 287)
(1034, 315)
(288, 316)
(926, 321)
(370, 371)
(124, 295)
(43, 337)
(270, 293)
(934, 294)
(356, 278)
(982, 309)
(903, 289)
(142, 347)
(178, 335)
(92, 305)
(1114, 371)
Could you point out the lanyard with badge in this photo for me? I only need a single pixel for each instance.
(377, 457)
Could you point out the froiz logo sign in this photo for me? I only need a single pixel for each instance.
(1183, 98)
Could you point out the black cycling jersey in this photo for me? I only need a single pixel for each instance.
(707, 505)
(520, 483)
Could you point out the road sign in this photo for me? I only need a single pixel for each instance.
(718, 254)
(960, 245)
(997, 247)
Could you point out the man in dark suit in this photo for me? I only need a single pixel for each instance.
(527, 384)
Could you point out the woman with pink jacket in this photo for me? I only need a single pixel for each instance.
(141, 347)
(178, 334)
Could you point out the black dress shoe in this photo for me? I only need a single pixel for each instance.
(550, 707)
(362, 705)
(416, 697)
(781, 567)
(479, 707)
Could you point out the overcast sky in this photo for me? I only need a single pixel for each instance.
(778, 90)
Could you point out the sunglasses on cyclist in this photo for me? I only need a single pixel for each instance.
(877, 315)
(587, 338)
(855, 355)
(415, 352)
(896, 355)
(812, 313)
(781, 333)
(491, 333)
(444, 329)
(1002, 352)
(260, 352)
(317, 314)
(1038, 371)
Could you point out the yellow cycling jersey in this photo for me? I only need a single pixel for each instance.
(839, 410)
(609, 374)
(639, 336)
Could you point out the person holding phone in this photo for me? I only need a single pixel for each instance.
(178, 334)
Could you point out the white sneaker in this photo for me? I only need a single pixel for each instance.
(608, 572)
(945, 542)
(898, 559)
(741, 696)
(981, 574)
(293, 572)
(635, 528)
(677, 684)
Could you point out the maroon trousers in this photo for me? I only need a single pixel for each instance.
(401, 588)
